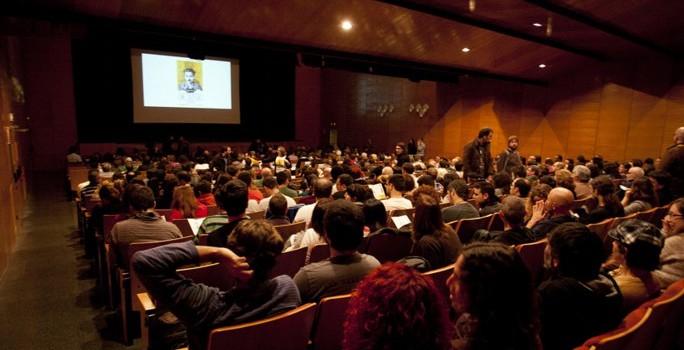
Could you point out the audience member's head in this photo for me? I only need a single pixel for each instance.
(484, 194)
(277, 205)
(396, 307)
(502, 180)
(639, 242)
(375, 214)
(642, 190)
(521, 188)
(259, 243)
(492, 285)
(426, 180)
(233, 197)
(397, 183)
(246, 177)
(581, 173)
(574, 252)
(673, 223)
(322, 188)
(634, 173)
(513, 211)
(139, 197)
(428, 217)
(560, 201)
(358, 193)
(184, 200)
(458, 189)
(343, 226)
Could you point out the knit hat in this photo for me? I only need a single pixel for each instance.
(634, 230)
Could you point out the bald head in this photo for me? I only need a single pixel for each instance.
(634, 173)
(323, 188)
(266, 172)
(387, 171)
(679, 135)
(560, 201)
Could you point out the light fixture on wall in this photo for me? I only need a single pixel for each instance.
(385, 109)
(418, 108)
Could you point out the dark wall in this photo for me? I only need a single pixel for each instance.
(104, 101)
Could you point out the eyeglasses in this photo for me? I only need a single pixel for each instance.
(673, 215)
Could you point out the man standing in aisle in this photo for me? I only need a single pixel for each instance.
(477, 157)
(509, 159)
(673, 163)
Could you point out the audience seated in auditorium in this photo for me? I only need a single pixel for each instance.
(640, 196)
(546, 215)
(185, 205)
(111, 203)
(492, 292)
(396, 307)
(322, 190)
(396, 186)
(271, 188)
(252, 250)
(672, 256)
(144, 224)
(231, 197)
(636, 252)
(435, 241)
(662, 186)
(460, 209)
(502, 184)
(87, 189)
(343, 231)
(485, 198)
(341, 184)
(277, 206)
(608, 205)
(577, 302)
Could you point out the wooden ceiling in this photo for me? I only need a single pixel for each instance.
(499, 33)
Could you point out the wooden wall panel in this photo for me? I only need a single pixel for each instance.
(621, 111)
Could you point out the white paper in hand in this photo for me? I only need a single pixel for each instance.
(401, 221)
(195, 225)
(378, 191)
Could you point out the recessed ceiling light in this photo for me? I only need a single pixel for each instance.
(346, 24)
(537, 24)
(465, 49)
(542, 66)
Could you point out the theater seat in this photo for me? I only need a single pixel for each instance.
(287, 331)
(327, 331)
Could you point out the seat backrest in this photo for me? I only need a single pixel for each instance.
(288, 230)
(532, 255)
(292, 211)
(166, 213)
(497, 223)
(620, 338)
(661, 308)
(184, 227)
(326, 333)
(213, 210)
(317, 253)
(286, 331)
(288, 263)
(588, 202)
(646, 215)
(440, 276)
(108, 222)
(389, 245)
(601, 228)
(671, 305)
(466, 227)
(619, 220)
(126, 251)
(203, 239)
(257, 215)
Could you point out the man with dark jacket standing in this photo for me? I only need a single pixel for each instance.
(477, 157)
(673, 163)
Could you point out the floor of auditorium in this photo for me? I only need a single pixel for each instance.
(48, 296)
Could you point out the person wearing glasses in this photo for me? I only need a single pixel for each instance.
(672, 255)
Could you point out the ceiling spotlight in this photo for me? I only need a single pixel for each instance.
(465, 49)
(346, 25)
(542, 66)
(537, 24)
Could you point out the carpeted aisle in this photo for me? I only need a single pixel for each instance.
(47, 294)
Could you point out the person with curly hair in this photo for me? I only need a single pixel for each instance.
(492, 291)
(396, 307)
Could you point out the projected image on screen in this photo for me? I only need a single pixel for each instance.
(169, 87)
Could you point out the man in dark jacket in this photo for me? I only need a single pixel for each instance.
(673, 163)
(577, 302)
(509, 159)
(477, 157)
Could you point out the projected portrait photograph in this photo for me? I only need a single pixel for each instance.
(189, 76)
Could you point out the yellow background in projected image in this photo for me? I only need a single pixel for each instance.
(181, 66)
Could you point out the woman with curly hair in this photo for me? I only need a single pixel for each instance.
(396, 307)
(492, 291)
(185, 205)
